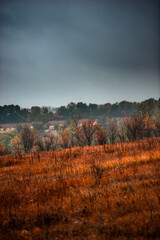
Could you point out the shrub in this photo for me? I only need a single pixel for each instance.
(2, 149)
(16, 145)
(39, 143)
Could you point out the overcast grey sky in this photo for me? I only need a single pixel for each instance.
(53, 52)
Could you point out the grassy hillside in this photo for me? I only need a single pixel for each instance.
(98, 192)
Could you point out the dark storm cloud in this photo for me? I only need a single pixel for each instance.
(120, 39)
(85, 46)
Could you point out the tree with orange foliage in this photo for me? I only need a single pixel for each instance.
(149, 127)
(16, 145)
(64, 139)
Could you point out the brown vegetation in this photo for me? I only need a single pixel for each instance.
(96, 192)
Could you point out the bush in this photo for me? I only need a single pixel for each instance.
(39, 143)
(3, 150)
(16, 145)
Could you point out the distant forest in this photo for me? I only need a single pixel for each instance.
(14, 113)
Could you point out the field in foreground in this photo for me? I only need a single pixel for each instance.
(99, 192)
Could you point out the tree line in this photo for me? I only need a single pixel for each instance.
(85, 133)
(13, 113)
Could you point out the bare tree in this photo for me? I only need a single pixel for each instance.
(134, 128)
(27, 138)
(112, 131)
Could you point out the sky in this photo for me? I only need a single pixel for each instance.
(53, 52)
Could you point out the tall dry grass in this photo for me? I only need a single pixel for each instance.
(97, 192)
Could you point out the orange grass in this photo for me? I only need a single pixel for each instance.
(97, 192)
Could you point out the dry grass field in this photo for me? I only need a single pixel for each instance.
(97, 192)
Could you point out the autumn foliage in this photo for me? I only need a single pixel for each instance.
(85, 132)
(16, 145)
(101, 135)
(2, 149)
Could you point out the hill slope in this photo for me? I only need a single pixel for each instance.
(99, 192)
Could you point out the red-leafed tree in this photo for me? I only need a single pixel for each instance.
(101, 135)
(85, 132)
